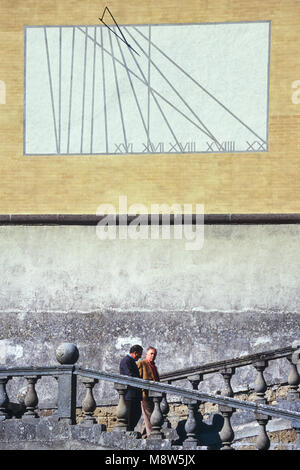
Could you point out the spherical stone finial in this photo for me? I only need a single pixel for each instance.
(67, 353)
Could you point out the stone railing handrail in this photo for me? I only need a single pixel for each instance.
(242, 361)
(27, 371)
(67, 373)
(188, 393)
(160, 388)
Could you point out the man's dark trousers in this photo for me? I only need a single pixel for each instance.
(133, 395)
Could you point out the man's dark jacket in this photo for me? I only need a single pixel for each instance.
(128, 367)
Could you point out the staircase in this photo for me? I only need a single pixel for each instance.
(212, 421)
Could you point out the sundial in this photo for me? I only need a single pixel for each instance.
(111, 89)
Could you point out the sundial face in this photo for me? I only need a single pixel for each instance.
(146, 89)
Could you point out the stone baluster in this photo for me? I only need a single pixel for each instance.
(227, 376)
(31, 399)
(195, 380)
(294, 378)
(164, 407)
(191, 423)
(4, 401)
(121, 411)
(262, 440)
(260, 386)
(157, 418)
(293, 381)
(89, 404)
(226, 434)
(193, 405)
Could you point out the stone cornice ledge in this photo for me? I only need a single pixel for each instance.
(146, 219)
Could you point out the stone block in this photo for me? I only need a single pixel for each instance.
(170, 433)
(288, 436)
(188, 445)
(98, 430)
(30, 419)
(155, 444)
(28, 431)
(44, 431)
(101, 411)
(82, 432)
(113, 440)
(103, 421)
(273, 436)
(11, 430)
(2, 431)
(62, 430)
(111, 422)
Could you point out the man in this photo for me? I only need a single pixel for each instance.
(133, 395)
(148, 371)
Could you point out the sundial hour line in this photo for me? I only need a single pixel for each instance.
(123, 37)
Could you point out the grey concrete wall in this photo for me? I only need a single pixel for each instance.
(238, 295)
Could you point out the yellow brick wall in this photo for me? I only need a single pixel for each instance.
(243, 183)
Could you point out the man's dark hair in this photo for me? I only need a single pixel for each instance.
(136, 348)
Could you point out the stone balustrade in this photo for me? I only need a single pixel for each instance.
(67, 374)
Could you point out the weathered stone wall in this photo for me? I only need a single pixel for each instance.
(238, 295)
